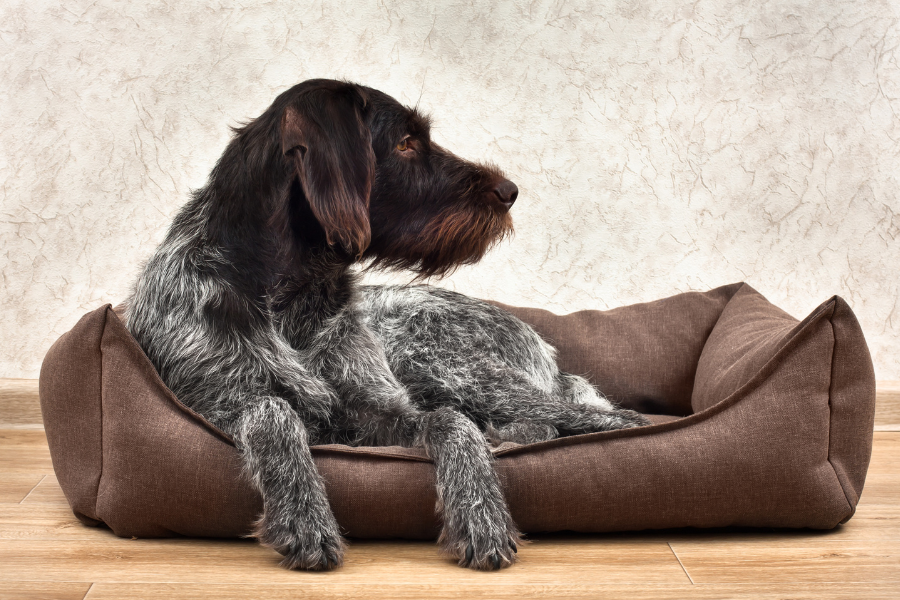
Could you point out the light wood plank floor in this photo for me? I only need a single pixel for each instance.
(46, 553)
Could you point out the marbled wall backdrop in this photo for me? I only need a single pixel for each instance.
(659, 146)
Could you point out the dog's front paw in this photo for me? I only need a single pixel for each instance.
(316, 553)
(481, 542)
(306, 545)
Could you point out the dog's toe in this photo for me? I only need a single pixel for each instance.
(334, 557)
(302, 558)
(322, 552)
(491, 561)
(484, 554)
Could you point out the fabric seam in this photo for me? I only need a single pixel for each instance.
(834, 338)
(102, 440)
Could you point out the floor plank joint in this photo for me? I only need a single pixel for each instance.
(681, 563)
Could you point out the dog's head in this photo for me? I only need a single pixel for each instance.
(379, 188)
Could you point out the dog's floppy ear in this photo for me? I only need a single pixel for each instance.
(325, 138)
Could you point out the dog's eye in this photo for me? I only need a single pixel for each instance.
(403, 146)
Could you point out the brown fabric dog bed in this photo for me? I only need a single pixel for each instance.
(761, 421)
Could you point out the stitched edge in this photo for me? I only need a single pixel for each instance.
(100, 386)
(851, 505)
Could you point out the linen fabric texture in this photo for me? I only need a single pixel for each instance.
(759, 420)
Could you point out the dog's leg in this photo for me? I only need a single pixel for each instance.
(297, 520)
(513, 405)
(523, 431)
(573, 419)
(478, 529)
(572, 407)
(584, 410)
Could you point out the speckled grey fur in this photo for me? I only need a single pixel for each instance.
(253, 318)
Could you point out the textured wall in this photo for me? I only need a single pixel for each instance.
(659, 146)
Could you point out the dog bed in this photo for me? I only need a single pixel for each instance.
(759, 420)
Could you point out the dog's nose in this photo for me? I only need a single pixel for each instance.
(507, 192)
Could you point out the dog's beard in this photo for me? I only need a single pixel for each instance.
(455, 237)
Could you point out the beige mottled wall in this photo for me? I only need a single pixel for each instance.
(659, 146)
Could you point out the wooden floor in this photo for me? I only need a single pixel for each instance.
(46, 553)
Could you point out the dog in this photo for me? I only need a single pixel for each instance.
(254, 318)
